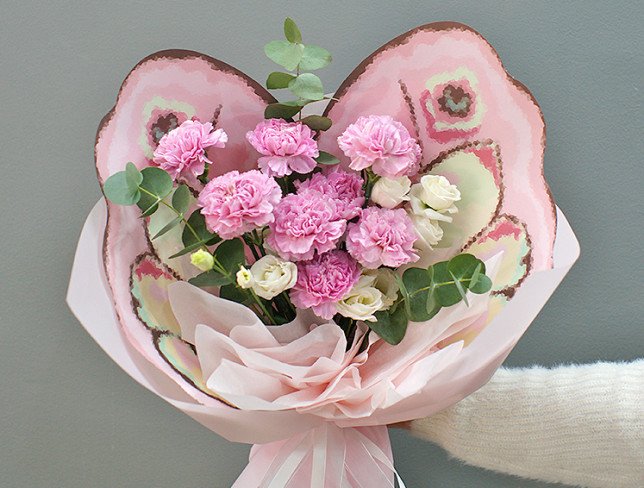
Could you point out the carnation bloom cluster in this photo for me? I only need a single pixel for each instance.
(325, 238)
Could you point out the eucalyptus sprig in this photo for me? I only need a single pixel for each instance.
(299, 60)
(150, 188)
(423, 292)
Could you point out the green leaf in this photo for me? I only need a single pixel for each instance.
(327, 159)
(181, 199)
(317, 122)
(230, 255)
(314, 57)
(445, 291)
(210, 278)
(464, 266)
(133, 176)
(167, 227)
(156, 181)
(476, 275)
(307, 85)
(291, 32)
(391, 326)
(148, 204)
(198, 222)
(187, 249)
(418, 283)
(281, 111)
(432, 306)
(155, 186)
(483, 285)
(277, 80)
(460, 289)
(284, 53)
(234, 293)
(117, 190)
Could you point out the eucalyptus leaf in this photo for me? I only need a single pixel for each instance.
(460, 288)
(327, 159)
(198, 223)
(188, 249)
(476, 275)
(156, 181)
(277, 80)
(432, 306)
(317, 122)
(418, 283)
(284, 53)
(233, 293)
(445, 292)
(291, 31)
(133, 176)
(482, 285)
(210, 278)
(307, 85)
(314, 57)
(117, 190)
(281, 111)
(167, 227)
(230, 255)
(463, 267)
(391, 326)
(181, 199)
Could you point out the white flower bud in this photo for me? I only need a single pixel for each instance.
(390, 192)
(244, 278)
(202, 259)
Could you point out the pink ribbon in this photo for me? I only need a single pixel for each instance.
(325, 457)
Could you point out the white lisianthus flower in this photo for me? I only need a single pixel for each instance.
(244, 278)
(391, 192)
(202, 259)
(271, 275)
(434, 197)
(384, 280)
(428, 231)
(362, 302)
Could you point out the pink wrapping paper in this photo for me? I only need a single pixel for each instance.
(90, 299)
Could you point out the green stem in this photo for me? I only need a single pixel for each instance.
(438, 285)
(179, 214)
(262, 306)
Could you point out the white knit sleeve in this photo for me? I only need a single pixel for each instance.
(577, 425)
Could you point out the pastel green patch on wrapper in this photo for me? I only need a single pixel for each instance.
(182, 358)
(150, 292)
(508, 235)
(475, 171)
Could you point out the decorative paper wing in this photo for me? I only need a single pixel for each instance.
(477, 126)
(160, 93)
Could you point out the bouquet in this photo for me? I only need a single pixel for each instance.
(300, 280)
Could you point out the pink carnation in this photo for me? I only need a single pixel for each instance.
(382, 237)
(382, 143)
(323, 281)
(305, 223)
(286, 146)
(343, 187)
(235, 203)
(182, 151)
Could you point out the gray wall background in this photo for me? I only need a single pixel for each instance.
(71, 418)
